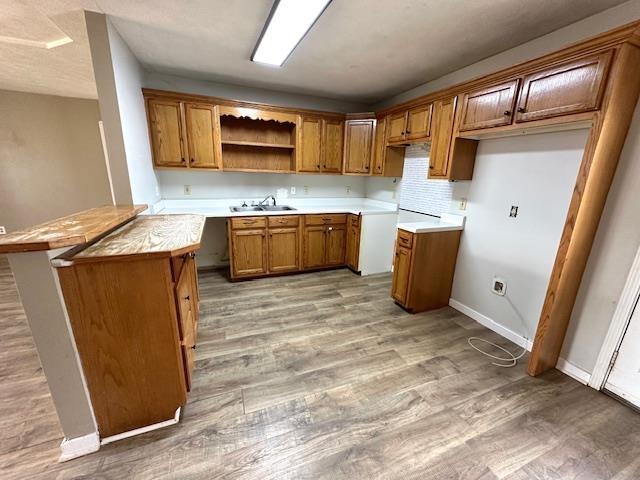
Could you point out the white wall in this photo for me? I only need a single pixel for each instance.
(537, 173)
(128, 75)
(119, 81)
(248, 94)
(50, 158)
(256, 185)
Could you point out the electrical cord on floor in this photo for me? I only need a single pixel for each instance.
(512, 359)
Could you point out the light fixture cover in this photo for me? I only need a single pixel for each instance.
(288, 23)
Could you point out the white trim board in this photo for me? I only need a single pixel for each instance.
(619, 321)
(78, 447)
(564, 366)
(141, 430)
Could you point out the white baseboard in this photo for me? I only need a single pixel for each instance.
(141, 430)
(492, 325)
(574, 372)
(77, 447)
(563, 365)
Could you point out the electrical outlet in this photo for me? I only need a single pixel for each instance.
(348, 189)
(306, 190)
(293, 190)
(499, 286)
(513, 213)
(3, 231)
(462, 204)
(187, 189)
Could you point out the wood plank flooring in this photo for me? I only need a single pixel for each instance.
(322, 376)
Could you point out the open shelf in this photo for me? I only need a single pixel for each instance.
(256, 144)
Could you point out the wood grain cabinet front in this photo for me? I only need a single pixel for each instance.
(571, 87)
(358, 146)
(201, 129)
(249, 252)
(489, 107)
(284, 250)
(134, 315)
(353, 243)
(166, 131)
(311, 151)
(423, 269)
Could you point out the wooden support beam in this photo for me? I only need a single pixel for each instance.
(587, 203)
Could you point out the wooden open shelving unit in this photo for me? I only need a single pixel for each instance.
(255, 140)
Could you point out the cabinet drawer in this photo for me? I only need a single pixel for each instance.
(325, 219)
(284, 221)
(248, 222)
(405, 239)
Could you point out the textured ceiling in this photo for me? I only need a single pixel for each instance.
(361, 50)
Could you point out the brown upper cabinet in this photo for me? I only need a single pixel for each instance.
(201, 123)
(451, 158)
(388, 161)
(396, 127)
(332, 145)
(309, 159)
(166, 127)
(572, 87)
(489, 107)
(321, 145)
(410, 125)
(358, 146)
(418, 123)
(170, 121)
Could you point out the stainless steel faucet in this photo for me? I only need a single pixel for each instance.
(267, 198)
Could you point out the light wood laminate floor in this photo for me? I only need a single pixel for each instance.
(322, 376)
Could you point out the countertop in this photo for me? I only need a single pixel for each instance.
(220, 208)
(69, 231)
(145, 235)
(446, 223)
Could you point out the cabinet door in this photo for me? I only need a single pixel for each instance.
(332, 145)
(443, 115)
(283, 250)
(314, 246)
(396, 126)
(401, 272)
(353, 242)
(249, 252)
(573, 87)
(489, 107)
(311, 134)
(165, 124)
(418, 122)
(336, 244)
(358, 146)
(200, 120)
(379, 147)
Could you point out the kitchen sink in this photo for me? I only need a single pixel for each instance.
(277, 208)
(246, 209)
(262, 208)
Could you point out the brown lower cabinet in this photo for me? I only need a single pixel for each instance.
(134, 318)
(423, 269)
(272, 245)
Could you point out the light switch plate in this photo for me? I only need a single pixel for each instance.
(293, 190)
(187, 189)
(3, 231)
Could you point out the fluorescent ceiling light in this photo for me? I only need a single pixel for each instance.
(289, 21)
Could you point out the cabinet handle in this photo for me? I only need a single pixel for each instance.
(507, 112)
(366, 168)
(192, 160)
(521, 110)
(187, 297)
(330, 228)
(408, 132)
(183, 160)
(325, 165)
(318, 166)
(193, 347)
(431, 167)
(402, 133)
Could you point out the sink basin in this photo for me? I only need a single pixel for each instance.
(262, 208)
(246, 209)
(277, 208)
